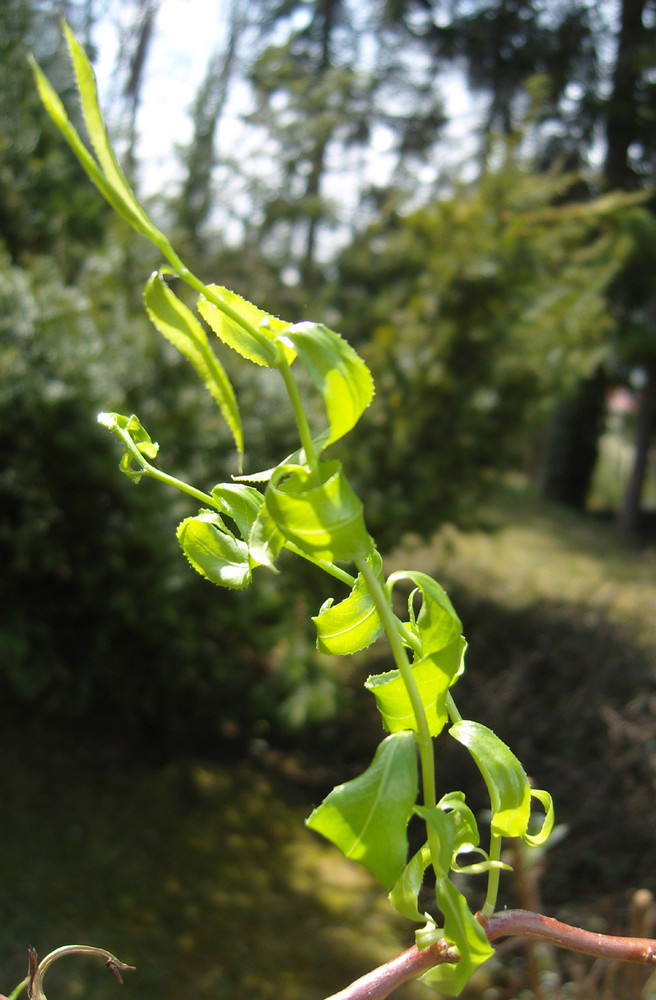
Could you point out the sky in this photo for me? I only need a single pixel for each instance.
(186, 34)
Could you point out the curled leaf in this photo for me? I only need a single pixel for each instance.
(265, 541)
(136, 441)
(323, 518)
(504, 776)
(539, 838)
(437, 625)
(393, 700)
(443, 834)
(353, 624)
(462, 929)
(464, 822)
(240, 503)
(405, 892)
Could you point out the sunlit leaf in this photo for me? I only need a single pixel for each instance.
(181, 328)
(393, 700)
(265, 541)
(353, 624)
(403, 896)
(504, 776)
(367, 818)
(462, 929)
(443, 834)
(241, 503)
(325, 518)
(338, 372)
(297, 457)
(437, 624)
(464, 822)
(477, 867)
(135, 439)
(213, 552)
(106, 174)
(539, 838)
(225, 323)
(467, 836)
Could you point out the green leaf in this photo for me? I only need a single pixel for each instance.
(462, 929)
(181, 328)
(504, 776)
(106, 174)
(338, 372)
(403, 896)
(235, 335)
(324, 519)
(265, 541)
(477, 867)
(536, 839)
(135, 439)
(464, 822)
(393, 700)
(467, 836)
(443, 832)
(507, 784)
(241, 503)
(367, 818)
(353, 624)
(437, 624)
(213, 552)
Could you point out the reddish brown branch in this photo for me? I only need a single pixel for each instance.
(380, 982)
(523, 923)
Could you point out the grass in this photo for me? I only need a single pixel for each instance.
(525, 550)
(202, 874)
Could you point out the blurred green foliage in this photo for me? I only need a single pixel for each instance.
(96, 602)
(45, 204)
(474, 312)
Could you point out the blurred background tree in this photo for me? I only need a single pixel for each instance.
(598, 63)
(475, 313)
(496, 294)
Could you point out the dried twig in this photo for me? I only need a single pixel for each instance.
(36, 972)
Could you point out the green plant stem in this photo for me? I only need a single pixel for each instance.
(299, 413)
(15, 993)
(453, 713)
(390, 624)
(327, 567)
(155, 473)
(409, 638)
(178, 484)
(487, 909)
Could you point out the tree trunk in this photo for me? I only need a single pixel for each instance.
(574, 442)
(628, 518)
(622, 125)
